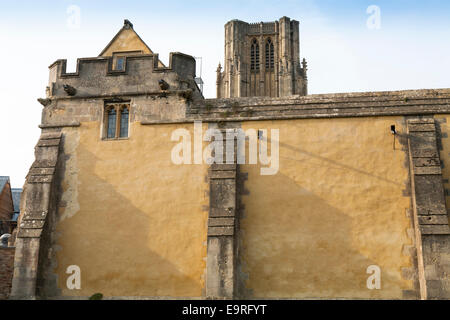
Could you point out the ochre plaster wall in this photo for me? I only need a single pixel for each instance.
(132, 221)
(335, 207)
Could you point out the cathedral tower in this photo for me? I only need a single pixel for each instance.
(262, 59)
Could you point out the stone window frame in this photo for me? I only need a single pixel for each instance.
(254, 55)
(269, 54)
(123, 55)
(118, 107)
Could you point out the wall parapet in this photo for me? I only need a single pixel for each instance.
(94, 76)
(365, 104)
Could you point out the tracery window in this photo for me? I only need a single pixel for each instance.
(254, 55)
(269, 54)
(116, 120)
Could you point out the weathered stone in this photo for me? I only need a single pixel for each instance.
(427, 170)
(42, 171)
(32, 224)
(220, 231)
(432, 233)
(50, 136)
(249, 78)
(434, 219)
(435, 229)
(34, 215)
(222, 212)
(426, 162)
(223, 167)
(223, 174)
(48, 143)
(422, 127)
(220, 222)
(29, 233)
(40, 179)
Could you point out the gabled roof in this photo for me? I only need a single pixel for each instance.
(3, 181)
(127, 40)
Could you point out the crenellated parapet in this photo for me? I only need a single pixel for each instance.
(140, 74)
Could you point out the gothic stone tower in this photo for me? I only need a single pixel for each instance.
(262, 59)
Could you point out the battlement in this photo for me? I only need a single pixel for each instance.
(96, 76)
(252, 28)
(262, 27)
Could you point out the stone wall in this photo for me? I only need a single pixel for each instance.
(139, 225)
(6, 271)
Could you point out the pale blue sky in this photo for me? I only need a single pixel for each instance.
(411, 50)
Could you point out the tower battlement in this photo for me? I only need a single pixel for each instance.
(139, 74)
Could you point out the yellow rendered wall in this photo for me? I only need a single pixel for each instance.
(334, 208)
(133, 222)
(443, 121)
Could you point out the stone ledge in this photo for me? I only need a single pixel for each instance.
(426, 162)
(425, 153)
(40, 179)
(434, 229)
(220, 231)
(433, 219)
(59, 125)
(220, 222)
(42, 171)
(29, 233)
(32, 224)
(223, 167)
(45, 163)
(222, 174)
(422, 127)
(427, 170)
(48, 142)
(222, 212)
(50, 135)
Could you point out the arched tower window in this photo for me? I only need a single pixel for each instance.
(269, 54)
(124, 122)
(254, 55)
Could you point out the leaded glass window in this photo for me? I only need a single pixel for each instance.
(124, 123)
(111, 129)
(254, 55)
(269, 54)
(119, 63)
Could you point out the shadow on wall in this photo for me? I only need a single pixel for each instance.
(333, 162)
(110, 239)
(295, 245)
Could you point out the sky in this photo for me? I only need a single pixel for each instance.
(350, 46)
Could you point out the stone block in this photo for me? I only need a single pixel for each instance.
(220, 231)
(220, 222)
(434, 229)
(433, 219)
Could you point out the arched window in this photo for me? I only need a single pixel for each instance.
(269, 54)
(124, 122)
(116, 120)
(254, 55)
(111, 123)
